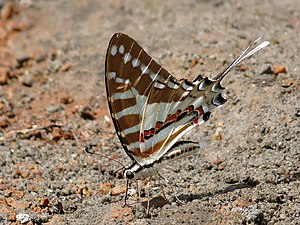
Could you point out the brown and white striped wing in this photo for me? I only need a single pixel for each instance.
(150, 108)
(130, 74)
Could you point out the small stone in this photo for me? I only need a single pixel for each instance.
(15, 74)
(3, 76)
(66, 100)
(65, 67)
(23, 174)
(256, 216)
(7, 11)
(279, 69)
(57, 134)
(243, 68)
(10, 114)
(27, 80)
(44, 202)
(58, 207)
(17, 26)
(119, 189)
(67, 135)
(3, 33)
(41, 58)
(218, 161)
(11, 216)
(86, 113)
(286, 83)
(17, 193)
(118, 213)
(267, 70)
(105, 187)
(26, 3)
(218, 135)
(232, 179)
(23, 218)
(54, 108)
(22, 60)
(4, 123)
(18, 205)
(86, 192)
(193, 62)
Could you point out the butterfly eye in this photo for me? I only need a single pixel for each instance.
(128, 174)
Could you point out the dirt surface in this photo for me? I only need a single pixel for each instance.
(53, 104)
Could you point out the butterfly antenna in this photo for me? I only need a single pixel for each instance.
(88, 150)
(249, 51)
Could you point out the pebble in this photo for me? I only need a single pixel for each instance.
(44, 202)
(66, 100)
(119, 189)
(218, 135)
(7, 11)
(279, 69)
(27, 80)
(86, 113)
(54, 108)
(231, 179)
(41, 58)
(4, 123)
(267, 70)
(22, 59)
(23, 218)
(3, 33)
(3, 76)
(256, 216)
(65, 67)
(17, 26)
(286, 83)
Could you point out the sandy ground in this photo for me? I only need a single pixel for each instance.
(53, 104)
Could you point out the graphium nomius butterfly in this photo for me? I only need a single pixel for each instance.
(151, 109)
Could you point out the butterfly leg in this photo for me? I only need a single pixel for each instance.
(175, 191)
(148, 197)
(139, 189)
(126, 193)
(161, 187)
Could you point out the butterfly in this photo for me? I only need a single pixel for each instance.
(151, 109)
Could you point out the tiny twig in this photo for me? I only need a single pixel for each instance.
(12, 134)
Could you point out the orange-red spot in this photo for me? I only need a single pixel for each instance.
(200, 110)
(149, 132)
(173, 117)
(159, 125)
(141, 138)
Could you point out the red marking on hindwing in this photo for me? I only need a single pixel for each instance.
(173, 117)
(200, 112)
(141, 138)
(150, 132)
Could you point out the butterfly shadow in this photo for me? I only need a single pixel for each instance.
(155, 202)
(190, 197)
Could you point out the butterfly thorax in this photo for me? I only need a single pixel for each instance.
(138, 172)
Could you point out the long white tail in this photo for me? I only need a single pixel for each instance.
(249, 51)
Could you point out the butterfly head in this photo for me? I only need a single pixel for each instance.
(132, 171)
(128, 174)
(137, 172)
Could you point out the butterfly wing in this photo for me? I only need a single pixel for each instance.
(150, 108)
(130, 74)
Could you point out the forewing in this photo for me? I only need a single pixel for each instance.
(130, 74)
